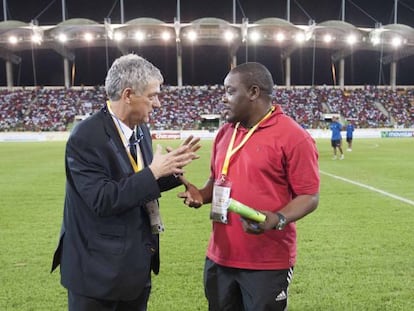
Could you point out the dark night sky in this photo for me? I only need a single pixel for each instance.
(361, 67)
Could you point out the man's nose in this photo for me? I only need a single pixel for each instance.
(156, 102)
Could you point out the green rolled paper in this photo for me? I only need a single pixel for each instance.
(246, 211)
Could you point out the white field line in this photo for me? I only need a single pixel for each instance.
(396, 197)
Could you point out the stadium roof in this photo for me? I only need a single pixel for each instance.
(17, 35)
(342, 39)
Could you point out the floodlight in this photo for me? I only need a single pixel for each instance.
(327, 38)
(280, 37)
(119, 36)
(13, 40)
(165, 35)
(140, 36)
(88, 36)
(300, 37)
(62, 37)
(228, 36)
(351, 39)
(375, 40)
(396, 42)
(255, 36)
(36, 38)
(192, 35)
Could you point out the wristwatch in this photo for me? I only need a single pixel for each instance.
(282, 222)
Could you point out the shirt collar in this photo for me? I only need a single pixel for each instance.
(268, 122)
(125, 129)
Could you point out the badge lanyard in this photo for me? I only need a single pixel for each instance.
(151, 207)
(136, 165)
(231, 151)
(222, 186)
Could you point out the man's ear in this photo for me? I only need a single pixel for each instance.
(126, 94)
(254, 92)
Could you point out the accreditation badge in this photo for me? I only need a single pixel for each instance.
(153, 211)
(221, 200)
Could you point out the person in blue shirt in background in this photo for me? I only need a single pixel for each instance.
(336, 138)
(349, 135)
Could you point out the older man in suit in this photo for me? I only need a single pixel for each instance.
(108, 245)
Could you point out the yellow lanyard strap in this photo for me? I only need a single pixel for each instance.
(136, 165)
(230, 151)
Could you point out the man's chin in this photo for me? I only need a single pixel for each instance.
(230, 119)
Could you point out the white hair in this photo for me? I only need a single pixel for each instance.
(130, 71)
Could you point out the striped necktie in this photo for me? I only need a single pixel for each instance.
(133, 146)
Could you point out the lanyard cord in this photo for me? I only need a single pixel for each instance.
(231, 151)
(136, 164)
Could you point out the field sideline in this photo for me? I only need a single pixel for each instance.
(355, 252)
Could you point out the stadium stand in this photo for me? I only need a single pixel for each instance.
(55, 109)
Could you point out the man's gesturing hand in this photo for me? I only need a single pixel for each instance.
(173, 161)
(192, 196)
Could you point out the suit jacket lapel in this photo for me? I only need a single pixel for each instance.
(116, 142)
(145, 145)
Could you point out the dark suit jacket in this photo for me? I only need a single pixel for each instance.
(106, 249)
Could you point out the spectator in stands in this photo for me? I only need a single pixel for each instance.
(51, 109)
(264, 159)
(108, 245)
(336, 137)
(349, 135)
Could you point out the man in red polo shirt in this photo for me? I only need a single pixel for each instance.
(265, 160)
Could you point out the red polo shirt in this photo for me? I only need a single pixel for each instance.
(277, 163)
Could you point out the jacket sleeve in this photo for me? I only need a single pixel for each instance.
(99, 175)
(169, 182)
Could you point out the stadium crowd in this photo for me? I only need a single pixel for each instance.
(55, 109)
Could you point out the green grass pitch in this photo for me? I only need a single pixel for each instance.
(355, 252)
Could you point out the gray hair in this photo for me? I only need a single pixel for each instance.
(130, 71)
